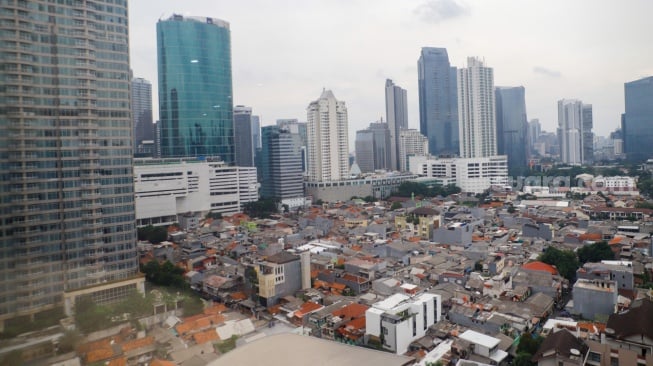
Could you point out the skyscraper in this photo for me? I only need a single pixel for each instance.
(476, 104)
(512, 127)
(411, 142)
(574, 127)
(243, 136)
(141, 102)
(67, 209)
(396, 112)
(438, 105)
(534, 131)
(294, 126)
(195, 90)
(637, 121)
(280, 166)
(328, 141)
(373, 148)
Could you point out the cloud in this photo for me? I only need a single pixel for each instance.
(547, 72)
(437, 11)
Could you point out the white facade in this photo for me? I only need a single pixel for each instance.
(574, 122)
(411, 142)
(328, 142)
(476, 110)
(470, 174)
(168, 187)
(401, 319)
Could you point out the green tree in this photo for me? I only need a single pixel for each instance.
(89, 316)
(523, 359)
(192, 305)
(565, 261)
(164, 275)
(395, 206)
(595, 253)
(153, 234)
(262, 208)
(69, 341)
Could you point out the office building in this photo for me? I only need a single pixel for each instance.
(396, 112)
(167, 188)
(195, 91)
(575, 132)
(280, 166)
(534, 131)
(294, 126)
(411, 143)
(328, 141)
(244, 135)
(377, 185)
(141, 103)
(67, 208)
(373, 148)
(469, 174)
(476, 104)
(438, 101)
(512, 128)
(637, 121)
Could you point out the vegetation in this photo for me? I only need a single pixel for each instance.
(153, 234)
(226, 345)
(24, 324)
(395, 206)
(407, 189)
(528, 346)
(166, 274)
(69, 341)
(595, 253)
(262, 208)
(565, 261)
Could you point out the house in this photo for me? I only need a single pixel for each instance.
(561, 348)
(282, 274)
(479, 347)
(401, 319)
(632, 329)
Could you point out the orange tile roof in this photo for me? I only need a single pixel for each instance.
(238, 295)
(137, 343)
(216, 309)
(540, 266)
(358, 323)
(307, 307)
(206, 336)
(615, 240)
(120, 361)
(99, 354)
(353, 310)
(101, 343)
(337, 286)
(158, 362)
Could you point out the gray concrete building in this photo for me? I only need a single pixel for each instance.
(594, 298)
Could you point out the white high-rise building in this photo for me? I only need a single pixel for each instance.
(476, 110)
(328, 156)
(411, 142)
(571, 114)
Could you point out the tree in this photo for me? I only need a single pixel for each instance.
(192, 305)
(395, 206)
(262, 208)
(564, 260)
(89, 316)
(153, 234)
(595, 253)
(69, 341)
(164, 275)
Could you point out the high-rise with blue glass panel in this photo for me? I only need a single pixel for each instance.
(512, 127)
(637, 122)
(438, 101)
(195, 90)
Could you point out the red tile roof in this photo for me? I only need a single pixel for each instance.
(351, 311)
(540, 266)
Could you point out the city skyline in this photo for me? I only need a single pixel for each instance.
(552, 63)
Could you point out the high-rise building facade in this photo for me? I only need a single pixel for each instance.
(280, 166)
(396, 112)
(411, 143)
(637, 121)
(67, 211)
(476, 106)
(328, 142)
(534, 131)
(244, 136)
(141, 104)
(512, 127)
(294, 126)
(574, 127)
(195, 89)
(438, 105)
(373, 148)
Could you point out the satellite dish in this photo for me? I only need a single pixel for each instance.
(574, 352)
(609, 331)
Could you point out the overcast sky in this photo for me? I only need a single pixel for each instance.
(285, 51)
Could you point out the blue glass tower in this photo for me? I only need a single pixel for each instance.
(195, 90)
(438, 101)
(637, 122)
(512, 127)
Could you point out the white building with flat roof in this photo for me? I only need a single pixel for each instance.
(470, 174)
(166, 188)
(484, 346)
(400, 319)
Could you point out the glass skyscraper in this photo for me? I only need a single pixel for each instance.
(438, 101)
(280, 164)
(637, 122)
(195, 90)
(512, 127)
(67, 224)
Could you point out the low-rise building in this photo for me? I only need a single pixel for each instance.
(401, 319)
(470, 174)
(594, 298)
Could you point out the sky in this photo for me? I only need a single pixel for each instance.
(284, 52)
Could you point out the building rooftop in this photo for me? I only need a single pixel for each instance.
(479, 338)
(282, 257)
(304, 350)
